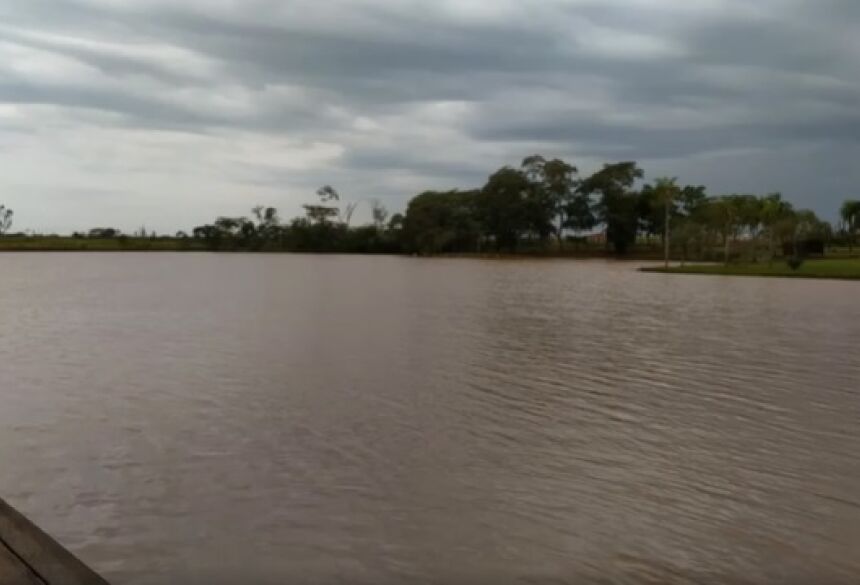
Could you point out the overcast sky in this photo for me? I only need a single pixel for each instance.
(169, 113)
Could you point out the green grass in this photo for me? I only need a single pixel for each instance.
(68, 244)
(842, 268)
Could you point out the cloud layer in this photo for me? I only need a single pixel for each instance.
(129, 112)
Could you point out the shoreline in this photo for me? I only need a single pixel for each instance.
(85, 245)
(827, 268)
(845, 269)
(460, 256)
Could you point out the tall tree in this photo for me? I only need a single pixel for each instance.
(328, 193)
(689, 231)
(6, 215)
(806, 225)
(691, 199)
(723, 215)
(649, 210)
(850, 213)
(322, 214)
(505, 207)
(617, 207)
(266, 217)
(554, 183)
(268, 224)
(378, 213)
(687, 234)
(438, 222)
(578, 213)
(774, 212)
(349, 211)
(396, 222)
(666, 192)
(749, 210)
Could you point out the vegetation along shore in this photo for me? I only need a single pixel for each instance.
(835, 268)
(542, 207)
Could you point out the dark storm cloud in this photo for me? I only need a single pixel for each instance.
(613, 142)
(448, 90)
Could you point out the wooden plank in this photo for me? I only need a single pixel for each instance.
(41, 554)
(14, 572)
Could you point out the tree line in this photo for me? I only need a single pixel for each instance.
(325, 227)
(541, 206)
(546, 204)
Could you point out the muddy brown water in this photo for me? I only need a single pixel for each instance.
(325, 419)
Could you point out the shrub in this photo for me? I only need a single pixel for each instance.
(795, 262)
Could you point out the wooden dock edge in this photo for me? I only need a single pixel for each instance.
(43, 556)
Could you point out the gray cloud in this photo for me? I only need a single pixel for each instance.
(181, 111)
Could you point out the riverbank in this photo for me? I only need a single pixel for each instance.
(172, 244)
(601, 253)
(71, 244)
(834, 268)
(828, 268)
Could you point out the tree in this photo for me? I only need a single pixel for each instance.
(6, 215)
(538, 207)
(687, 234)
(267, 217)
(617, 207)
(211, 236)
(728, 216)
(554, 183)
(348, 212)
(229, 226)
(850, 213)
(578, 213)
(247, 233)
(650, 211)
(774, 212)
(796, 227)
(687, 219)
(807, 225)
(438, 222)
(533, 167)
(268, 227)
(666, 192)
(328, 193)
(749, 219)
(506, 207)
(103, 233)
(785, 230)
(321, 214)
(396, 222)
(691, 199)
(723, 215)
(379, 213)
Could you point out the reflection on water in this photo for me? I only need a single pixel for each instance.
(373, 420)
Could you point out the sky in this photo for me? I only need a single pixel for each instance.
(167, 114)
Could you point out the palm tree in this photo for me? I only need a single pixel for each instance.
(666, 191)
(850, 213)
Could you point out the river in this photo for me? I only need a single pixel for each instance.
(206, 418)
